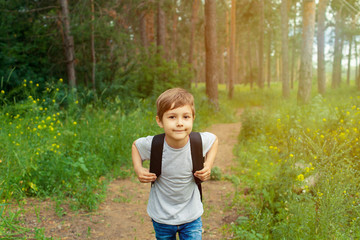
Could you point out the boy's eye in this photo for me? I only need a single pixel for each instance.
(172, 117)
(186, 117)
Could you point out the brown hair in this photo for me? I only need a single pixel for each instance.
(174, 98)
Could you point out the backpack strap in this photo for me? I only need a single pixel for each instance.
(197, 156)
(157, 146)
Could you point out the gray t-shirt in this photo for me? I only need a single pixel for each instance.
(174, 198)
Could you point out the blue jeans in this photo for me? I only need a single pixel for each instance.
(187, 231)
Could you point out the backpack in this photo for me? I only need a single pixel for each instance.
(196, 155)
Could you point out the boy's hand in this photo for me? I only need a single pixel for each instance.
(203, 174)
(145, 176)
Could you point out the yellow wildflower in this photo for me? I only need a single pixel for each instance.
(300, 177)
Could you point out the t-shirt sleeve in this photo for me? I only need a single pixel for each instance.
(143, 145)
(208, 140)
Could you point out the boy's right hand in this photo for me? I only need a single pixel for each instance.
(145, 176)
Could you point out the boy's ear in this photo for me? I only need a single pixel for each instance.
(158, 120)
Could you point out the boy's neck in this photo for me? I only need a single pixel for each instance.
(176, 144)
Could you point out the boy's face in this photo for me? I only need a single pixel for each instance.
(177, 124)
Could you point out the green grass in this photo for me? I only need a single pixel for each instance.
(301, 164)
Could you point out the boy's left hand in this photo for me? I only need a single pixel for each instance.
(203, 174)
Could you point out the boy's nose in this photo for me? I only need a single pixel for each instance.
(179, 122)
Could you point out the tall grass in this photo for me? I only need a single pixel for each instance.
(301, 164)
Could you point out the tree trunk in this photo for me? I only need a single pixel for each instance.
(174, 36)
(194, 15)
(269, 59)
(142, 28)
(321, 47)
(161, 29)
(349, 61)
(293, 55)
(305, 80)
(261, 43)
(336, 74)
(210, 49)
(150, 32)
(232, 49)
(285, 49)
(69, 44)
(356, 59)
(93, 58)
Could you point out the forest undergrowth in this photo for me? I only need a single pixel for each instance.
(301, 165)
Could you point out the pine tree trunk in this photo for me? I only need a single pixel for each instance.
(194, 15)
(210, 49)
(142, 28)
(261, 44)
(285, 49)
(150, 32)
(305, 80)
(349, 61)
(293, 56)
(269, 60)
(321, 47)
(232, 49)
(336, 74)
(174, 36)
(69, 44)
(93, 57)
(161, 29)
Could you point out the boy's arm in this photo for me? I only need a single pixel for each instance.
(204, 174)
(142, 173)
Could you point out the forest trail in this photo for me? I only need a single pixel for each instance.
(123, 214)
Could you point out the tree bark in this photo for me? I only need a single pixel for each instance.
(269, 59)
(210, 49)
(293, 55)
(161, 29)
(93, 57)
(194, 15)
(285, 49)
(174, 36)
(321, 47)
(150, 32)
(336, 74)
(261, 44)
(69, 44)
(349, 61)
(305, 80)
(142, 28)
(232, 49)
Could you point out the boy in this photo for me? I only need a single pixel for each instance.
(174, 203)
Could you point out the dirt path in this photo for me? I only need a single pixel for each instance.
(123, 214)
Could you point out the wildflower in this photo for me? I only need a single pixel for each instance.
(320, 194)
(2, 92)
(0, 161)
(258, 173)
(61, 80)
(74, 123)
(76, 102)
(300, 177)
(24, 80)
(37, 85)
(75, 134)
(24, 84)
(53, 101)
(291, 155)
(324, 119)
